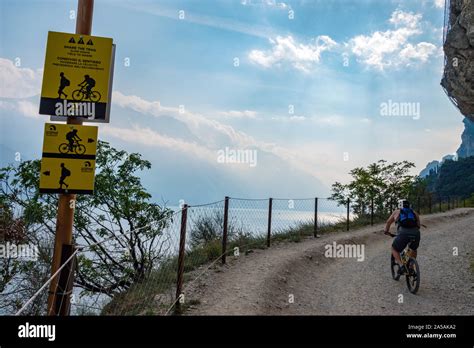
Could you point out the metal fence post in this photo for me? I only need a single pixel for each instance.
(440, 204)
(182, 247)
(269, 232)
(224, 231)
(449, 202)
(348, 208)
(372, 211)
(464, 203)
(316, 217)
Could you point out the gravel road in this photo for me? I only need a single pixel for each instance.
(296, 278)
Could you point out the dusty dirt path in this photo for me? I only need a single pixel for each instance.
(265, 281)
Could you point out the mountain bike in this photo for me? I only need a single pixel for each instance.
(410, 263)
(80, 94)
(76, 147)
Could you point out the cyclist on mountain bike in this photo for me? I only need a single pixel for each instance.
(89, 83)
(72, 137)
(408, 230)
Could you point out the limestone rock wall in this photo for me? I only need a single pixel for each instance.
(458, 79)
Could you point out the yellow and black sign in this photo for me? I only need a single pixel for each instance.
(77, 76)
(68, 163)
(64, 175)
(69, 141)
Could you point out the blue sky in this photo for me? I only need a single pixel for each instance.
(299, 82)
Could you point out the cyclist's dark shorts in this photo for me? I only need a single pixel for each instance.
(404, 237)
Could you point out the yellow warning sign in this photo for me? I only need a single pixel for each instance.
(64, 175)
(68, 163)
(70, 141)
(76, 77)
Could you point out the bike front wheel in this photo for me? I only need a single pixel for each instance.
(95, 96)
(77, 95)
(80, 149)
(413, 276)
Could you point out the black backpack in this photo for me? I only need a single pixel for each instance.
(407, 218)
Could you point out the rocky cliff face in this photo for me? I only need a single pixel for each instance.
(458, 79)
(431, 167)
(467, 146)
(466, 149)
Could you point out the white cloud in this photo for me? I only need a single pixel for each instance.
(266, 3)
(212, 134)
(335, 120)
(379, 50)
(208, 130)
(421, 51)
(329, 121)
(148, 137)
(391, 48)
(24, 107)
(294, 118)
(405, 19)
(17, 82)
(286, 50)
(28, 109)
(238, 114)
(193, 17)
(439, 3)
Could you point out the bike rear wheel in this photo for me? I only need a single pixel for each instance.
(413, 276)
(77, 95)
(64, 148)
(394, 268)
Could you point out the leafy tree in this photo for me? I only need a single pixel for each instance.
(379, 182)
(121, 230)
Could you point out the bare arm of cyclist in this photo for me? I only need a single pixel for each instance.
(391, 220)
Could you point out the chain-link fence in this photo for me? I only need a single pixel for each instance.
(145, 273)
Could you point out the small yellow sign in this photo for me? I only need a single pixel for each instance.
(68, 163)
(76, 76)
(64, 175)
(69, 141)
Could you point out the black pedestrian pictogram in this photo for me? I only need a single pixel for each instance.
(90, 42)
(63, 83)
(64, 174)
(81, 41)
(71, 40)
